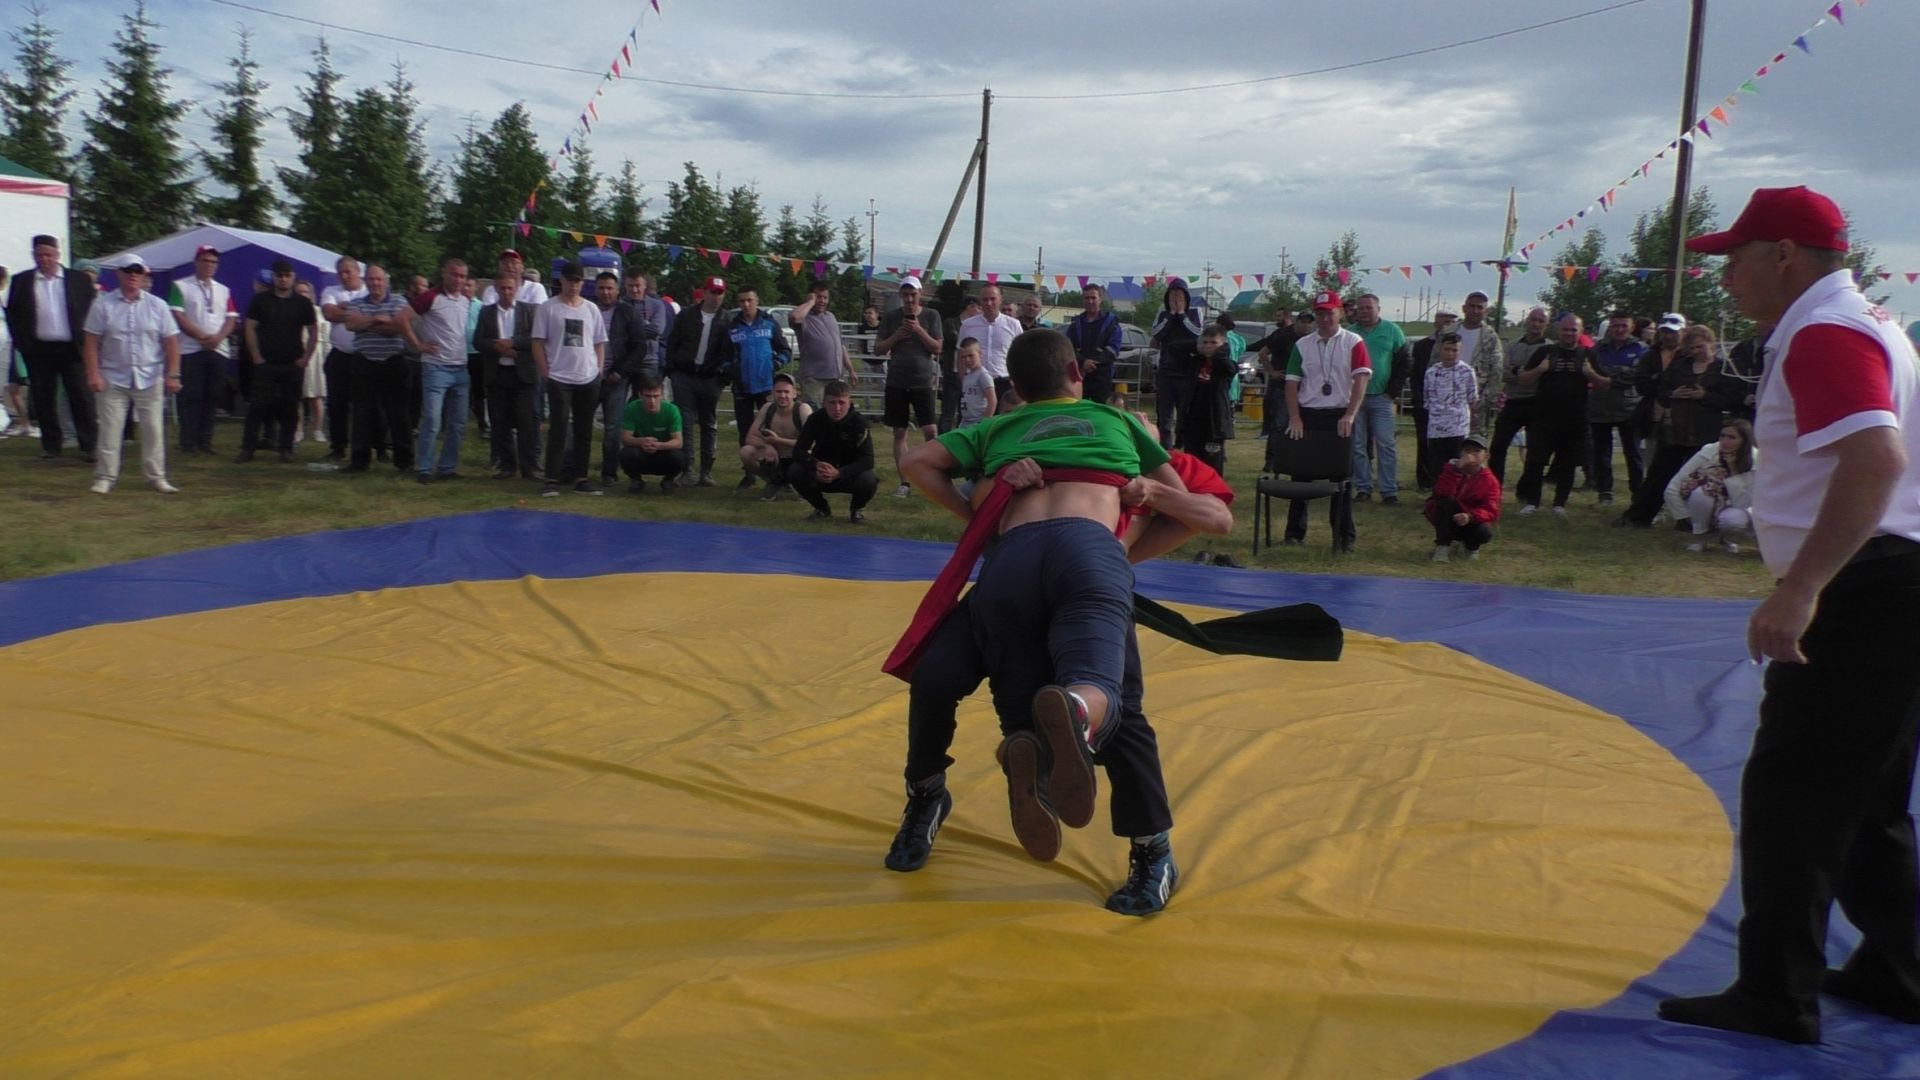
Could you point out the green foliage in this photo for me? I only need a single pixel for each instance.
(743, 230)
(497, 169)
(692, 218)
(789, 287)
(850, 286)
(1152, 298)
(576, 204)
(33, 108)
(1342, 254)
(236, 129)
(1580, 294)
(135, 186)
(319, 184)
(387, 215)
(1651, 245)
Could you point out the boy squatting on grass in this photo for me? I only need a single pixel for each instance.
(1051, 616)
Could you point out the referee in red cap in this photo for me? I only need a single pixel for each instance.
(1836, 505)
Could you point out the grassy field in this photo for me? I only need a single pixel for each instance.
(49, 522)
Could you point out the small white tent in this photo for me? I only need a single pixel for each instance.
(30, 205)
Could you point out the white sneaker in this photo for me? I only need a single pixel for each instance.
(1529, 510)
(1442, 552)
(1473, 554)
(903, 491)
(165, 488)
(1730, 547)
(1560, 511)
(101, 486)
(1697, 547)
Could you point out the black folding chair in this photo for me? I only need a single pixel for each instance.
(1317, 466)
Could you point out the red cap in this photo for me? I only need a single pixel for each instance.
(509, 253)
(205, 249)
(1327, 301)
(714, 284)
(1799, 214)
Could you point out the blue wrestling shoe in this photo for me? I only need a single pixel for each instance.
(1034, 821)
(1060, 718)
(1151, 878)
(919, 823)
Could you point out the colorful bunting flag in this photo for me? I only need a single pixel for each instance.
(1083, 281)
(599, 240)
(819, 270)
(1060, 281)
(1801, 44)
(1720, 113)
(749, 259)
(725, 257)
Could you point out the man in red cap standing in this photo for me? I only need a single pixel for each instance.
(1836, 505)
(1327, 376)
(698, 351)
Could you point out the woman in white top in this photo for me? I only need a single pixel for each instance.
(313, 385)
(1715, 487)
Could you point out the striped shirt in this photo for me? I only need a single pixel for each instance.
(376, 346)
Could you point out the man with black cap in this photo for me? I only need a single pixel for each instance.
(46, 310)
(282, 330)
(698, 354)
(1836, 506)
(132, 356)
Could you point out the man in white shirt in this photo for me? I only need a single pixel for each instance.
(699, 351)
(341, 390)
(994, 330)
(440, 324)
(513, 267)
(1824, 799)
(45, 312)
(570, 351)
(132, 357)
(1327, 376)
(203, 309)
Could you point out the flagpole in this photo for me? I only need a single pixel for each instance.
(1683, 165)
(1506, 252)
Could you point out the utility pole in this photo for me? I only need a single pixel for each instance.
(871, 215)
(1039, 267)
(980, 192)
(1683, 166)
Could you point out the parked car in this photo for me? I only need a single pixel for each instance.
(1137, 359)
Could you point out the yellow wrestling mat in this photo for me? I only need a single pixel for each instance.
(633, 825)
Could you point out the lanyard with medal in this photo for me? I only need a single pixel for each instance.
(1326, 367)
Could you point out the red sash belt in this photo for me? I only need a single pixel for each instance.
(944, 595)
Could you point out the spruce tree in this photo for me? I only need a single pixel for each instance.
(388, 217)
(625, 215)
(850, 285)
(692, 221)
(1580, 294)
(789, 287)
(135, 186)
(317, 187)
(33, 107)
(496, 170)
(1649, 292)
(236, 129)
(743, 230)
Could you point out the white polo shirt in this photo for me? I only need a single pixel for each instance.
(1323, 368)
(132, 355)
(443, 316)
(1843, 366)
(206, 306)
(340, 337)
(531, 292)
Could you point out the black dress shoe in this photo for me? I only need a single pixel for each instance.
(1733, 1010)
(243, 457)
(1850, 986)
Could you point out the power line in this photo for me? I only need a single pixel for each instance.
(968, 94)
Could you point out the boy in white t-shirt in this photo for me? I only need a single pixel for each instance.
(1451, 388)
(977, 400)
(570, 349)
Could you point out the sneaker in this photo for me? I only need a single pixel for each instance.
(1228, 561)
(1060, 718)
(856, 516)
(746, 482)
(667, 485)
(1697, 548)
(1362, 496)
(1473, 554)
(504, 474)
(1442, 552)
(903, 491)
(286, 457)
(1390, 500)
(819, 515)
(1730, 547)
(636, 486)
(1606, 498)
(1034, 823)
(706, 478)
(101, 486)
(919, 823)
(423, 478)
(1529, 510)
(165, 488)
(549, 490)
(586, 487)
(1559, 511)
(1293, 541)
(1203, 558)
(1151, 878)
(773, 491)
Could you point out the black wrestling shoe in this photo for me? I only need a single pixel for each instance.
(1733, 1010)
(1849, 986)
(1060, 719)
(920, 822)
(1034, 823)
(1151, 878)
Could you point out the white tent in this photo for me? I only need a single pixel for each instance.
(244, 253)
(30, 205)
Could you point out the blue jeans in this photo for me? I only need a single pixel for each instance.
(443, 400)
(1374, 422)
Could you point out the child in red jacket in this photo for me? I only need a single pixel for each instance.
(1465, 502)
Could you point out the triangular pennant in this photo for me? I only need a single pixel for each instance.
(1083, 281)
(1720, 114)
(656, 7)
(1259, 280)
(578, 238)
(625, 55)
(673, 252)
(936, 276)
(704, 253)
(866, 271)
(1238, 280)
(1837, 12)
(552, 233)
(1020, 279)
(749, 259)
(526, 229)
(819, 269)
(725, 257)
(793, 266)
(1885, 275)
(1059, 281)
(1467, 264)
(1407, 272)
(625, 245)
(1641, 275)
(894, 270)
(1749, 88)
(1428, 267)
(1567, 272)
(1696, 271)
(1801, 44)
(600, 240)
(1127, 280)
(1301, 277)
(1594, 272)
(1913, 278)
(1705, 130)
(993, 277)
(1344, 276)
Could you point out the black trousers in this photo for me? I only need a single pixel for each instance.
(1426, 467)
(1651, 495)
(570, 429)
(515, 434)
(1515, 417)
(382, 403)
(638, 463)
(51, 366)
(1473, 534)
(699, 402)
(203, 375)
(1097, 385)
(339, 370)
(1339, 507)
(1557, 441)
(744, 408)
(1824, 798)
(1600, 461)
(275, 401)
(949, 399)
(861, 486)
(1441, 450)
(952, 668)
(477, 389)
(1172, 397)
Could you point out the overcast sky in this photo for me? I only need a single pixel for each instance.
(1416, 155)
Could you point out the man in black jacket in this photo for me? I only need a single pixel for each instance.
(698, 355)
(504, 340)
(834, 454)
(46, 310)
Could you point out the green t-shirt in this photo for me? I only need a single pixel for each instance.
(641, 424)
(1058, 433)
(1383, 341)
